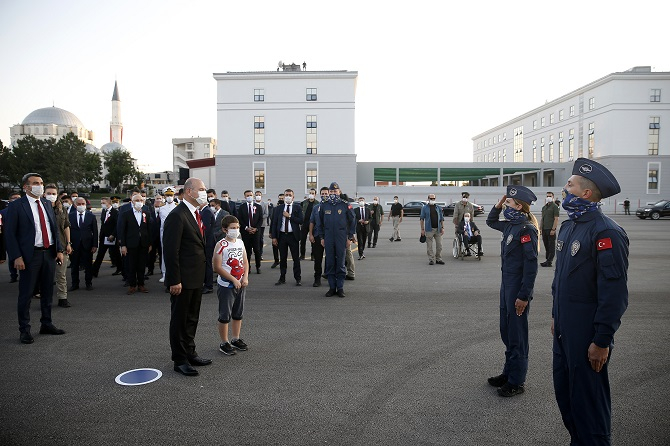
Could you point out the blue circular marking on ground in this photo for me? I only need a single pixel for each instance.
(137, 377)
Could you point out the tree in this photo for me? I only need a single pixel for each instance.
(76, 165)
(120, 167)
(5, 155)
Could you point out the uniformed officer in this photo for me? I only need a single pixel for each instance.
(335, 225)
(163, 213)
(518, 253)
(590, 294)
(317, 248)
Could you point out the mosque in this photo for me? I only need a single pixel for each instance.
(54, 122)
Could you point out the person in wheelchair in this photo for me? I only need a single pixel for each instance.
(469, 233)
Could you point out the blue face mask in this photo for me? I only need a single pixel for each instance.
(324, 198)
(512, 214)
(334, 198)
(576, 207)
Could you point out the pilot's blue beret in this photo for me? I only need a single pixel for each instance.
(603, 178)
(334, 186)
(521, 193)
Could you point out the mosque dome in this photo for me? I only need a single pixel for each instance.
(110, 146)
(53, 115)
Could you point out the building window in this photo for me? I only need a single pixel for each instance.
(505, 136)
(259, 176)
(259, 135)
(542, 149)
(572, 110)
(592, 139)
(311, 176)
(653, 177)
(535, 150)
(655, 95)
(311, 135)
(518, 144)
(543, 121)
(259, 95)
(592, 103)
(551, 118)
(560, 115)
(571, 145)
(551, 148)
(504, 155)
(189, 155)
(560, 147)
(534, 124)
(311, 94)
(654, 134)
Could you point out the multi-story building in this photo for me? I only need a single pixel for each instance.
(193, 148)
(285, 129)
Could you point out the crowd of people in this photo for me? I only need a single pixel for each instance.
(191, 234)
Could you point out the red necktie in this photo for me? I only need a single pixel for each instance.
(200, 225)
(43, 225)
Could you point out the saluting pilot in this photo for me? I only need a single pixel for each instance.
(590, 293)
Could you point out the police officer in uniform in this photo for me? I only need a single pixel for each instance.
(590, 294)
(335, 225)
(317, 248)
(518, 252)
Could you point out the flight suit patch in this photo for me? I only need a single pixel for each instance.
(509, 239)
(559, 245)
(525, 238)
(574, 249)
(328, 211)
(339, 211)
(604, 243)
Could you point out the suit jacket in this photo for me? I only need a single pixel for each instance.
(278, 220)
(256, 218)
(132, 235)
(368, 217)
(108, 225)
(19, 229)
(87, 234)
(207, 216)
(183, 250)
(461, 227)
(3, 250)
(218, 232)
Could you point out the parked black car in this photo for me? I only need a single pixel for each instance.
(412, 207)
(654, 211)
(448, 210)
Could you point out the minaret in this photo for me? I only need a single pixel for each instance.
(115, 126)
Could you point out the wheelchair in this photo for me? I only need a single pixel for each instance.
(461, 251)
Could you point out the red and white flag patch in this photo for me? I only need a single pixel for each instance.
(525, 238)
(604, 243)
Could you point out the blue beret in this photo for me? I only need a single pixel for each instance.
(334, 186)
(521, 193)
(603, 178)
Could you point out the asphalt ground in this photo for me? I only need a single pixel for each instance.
(403, 359)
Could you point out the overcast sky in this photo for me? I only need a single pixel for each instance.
(431, 75)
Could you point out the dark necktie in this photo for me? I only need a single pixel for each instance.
(200, 225)
(362, 213)
(251, 212)
(288, 209)
(81, 220)
(43, 226)
(467, 228)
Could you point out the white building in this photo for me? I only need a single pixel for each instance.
(50, 122)
(285, 129)
(193, 148)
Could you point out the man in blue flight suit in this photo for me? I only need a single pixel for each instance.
(335, 225)
(518, 253)
(590, 294)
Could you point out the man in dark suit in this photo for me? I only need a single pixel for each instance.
(155, 253)
(226, 204)
(470, 233)
(207, 216)
(286, 235)
(84, 237)
(276, 213)
(250, 216)
(135, 240)
(108, 220)
(13, 273)
(219, 213)
(184, 274)
(363, 218)
(34, 248)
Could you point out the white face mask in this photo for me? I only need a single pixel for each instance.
(115, 205)
(464, 200)
(67, 206)
(467, 219)
(138, 205)
(288, 199)
(103, 206)
(549, 199)
(210, 198)
(81, 208)
(395, 201)
(259, 198)
(169, 199)
(361, 203)
(249, 199)
(51, 198)
(375, 202)
(224, 199)
(37, 190)
(202, 197)
(431, 202)
(311, 196)
(233, 233)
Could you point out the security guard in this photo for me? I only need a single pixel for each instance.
(335, 226)
(518, 252)
(590, 294)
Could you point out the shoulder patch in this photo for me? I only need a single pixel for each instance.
(604, 243)
(525, 238)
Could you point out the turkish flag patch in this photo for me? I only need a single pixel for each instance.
(604, 243)
(525, 238)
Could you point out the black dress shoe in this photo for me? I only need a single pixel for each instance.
(350, 278)
(95, 275)
(331, 292)
(73, 288)
(275, 264)
(13, 280)
(440, 262)
(26, 338)
(150, 273)
(317, 282)
(298, 283)
(117, 272)
(340, 293)
(64, 303)
(51, 329)
(281, 282)
(197, 360)
(89, 287)
(186, 369)
(258, 270)
(207, 290)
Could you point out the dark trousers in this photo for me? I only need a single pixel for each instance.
(209, 270)
(288, 241)
(13, 272)
(154, 255)
(317, 253)
(373, 234)
(335, 261)
(39, 273)
(137, 262)
(114, 255)
(252, 243)
(304, 232)
(184, 316)
(275, 252)
(514, 334)
(549, 242)
(361, 238)
(472, 240)
(81, 257)
(261, 241)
